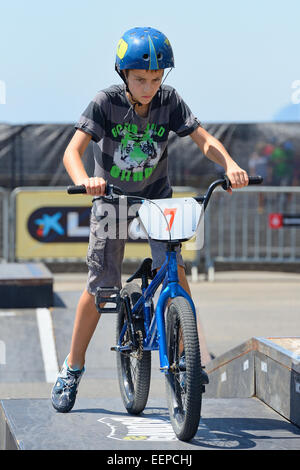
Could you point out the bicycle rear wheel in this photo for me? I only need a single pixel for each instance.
(183, 381)
(133, 367)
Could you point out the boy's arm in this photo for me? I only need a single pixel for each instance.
(215, 151)
(73, 163)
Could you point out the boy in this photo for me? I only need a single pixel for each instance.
(130, 123)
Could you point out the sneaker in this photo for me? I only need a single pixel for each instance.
(65, 388)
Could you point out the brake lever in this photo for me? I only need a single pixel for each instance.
(109, 191)
(226, 185)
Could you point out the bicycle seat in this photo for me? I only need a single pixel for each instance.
(145, 269)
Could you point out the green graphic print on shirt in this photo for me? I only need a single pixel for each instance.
(138, 153)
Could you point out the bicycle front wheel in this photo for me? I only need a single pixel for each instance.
(133, 366)
(183, 381)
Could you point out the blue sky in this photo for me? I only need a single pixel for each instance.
(236, 61)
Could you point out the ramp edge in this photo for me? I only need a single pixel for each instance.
(275, 379)
(7, 440)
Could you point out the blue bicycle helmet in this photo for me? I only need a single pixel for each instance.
(144, 48)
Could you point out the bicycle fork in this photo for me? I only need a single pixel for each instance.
(173, 289)
(128, 316)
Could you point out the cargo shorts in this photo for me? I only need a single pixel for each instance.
(105, 253)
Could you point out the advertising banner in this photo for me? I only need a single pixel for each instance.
(278, 220)
(52, 225)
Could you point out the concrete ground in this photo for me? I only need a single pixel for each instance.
(236, 306)
(232, 309)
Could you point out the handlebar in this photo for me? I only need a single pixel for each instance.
(81, 189)
(225, 183)
(115, 190)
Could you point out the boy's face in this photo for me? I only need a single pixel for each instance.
(144, 84)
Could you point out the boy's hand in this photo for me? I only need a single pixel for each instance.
(237, 177)
(95, 186)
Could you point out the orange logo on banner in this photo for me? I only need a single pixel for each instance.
(172, 213)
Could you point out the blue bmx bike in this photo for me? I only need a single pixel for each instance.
(168, 325)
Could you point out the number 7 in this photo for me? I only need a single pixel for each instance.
(172, 213)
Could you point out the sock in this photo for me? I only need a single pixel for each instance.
(70, 368)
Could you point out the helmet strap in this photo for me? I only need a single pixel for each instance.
(135, 102)
(166, 76)
(121, 74)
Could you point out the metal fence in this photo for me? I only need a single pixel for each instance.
(253, 225)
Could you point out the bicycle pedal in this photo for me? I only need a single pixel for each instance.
(110, 296)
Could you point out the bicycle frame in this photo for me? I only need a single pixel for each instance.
(155, 328)
(168, 275)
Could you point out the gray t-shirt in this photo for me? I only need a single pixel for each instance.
(131, 151)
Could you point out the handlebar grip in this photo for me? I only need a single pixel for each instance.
(255, 180)
(81, 189)
(77, 189)
(252, 180)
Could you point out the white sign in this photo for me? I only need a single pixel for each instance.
(175, 219)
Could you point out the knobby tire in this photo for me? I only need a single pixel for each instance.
(183, 388)
(134, 374)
